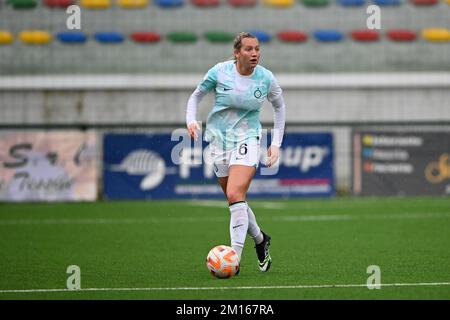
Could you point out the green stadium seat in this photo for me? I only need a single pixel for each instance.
(132, 4)
(182, 37)
(206, 3)
(95, 4)
(145, 37)
(365, 35)
(6, 37)
(401, 35)
(35, 37)
(59, 3)
(292, 36)
(242, 3)
(436, 34)
(23, 4)
(279, 3)
(219, 36)
(315, 3)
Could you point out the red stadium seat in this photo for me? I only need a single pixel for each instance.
(401, 35)
(145, 37)
(206, 3)
(424, 2)
(59, 3)
(242, 3)
(292, 36)
(365, 35)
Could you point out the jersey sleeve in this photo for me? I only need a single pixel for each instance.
(209, 81)
(275, 96)
(275, 91)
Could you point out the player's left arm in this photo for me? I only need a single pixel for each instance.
(275, 96)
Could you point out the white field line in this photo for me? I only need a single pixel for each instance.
(277, 218)
(419, 284)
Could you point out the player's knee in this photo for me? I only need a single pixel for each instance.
(235, 195)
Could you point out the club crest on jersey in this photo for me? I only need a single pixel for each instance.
(257, 93)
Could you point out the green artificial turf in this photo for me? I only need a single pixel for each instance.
(157, 249)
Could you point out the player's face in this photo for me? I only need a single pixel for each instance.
(248, 55)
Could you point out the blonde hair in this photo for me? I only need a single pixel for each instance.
(237, 44)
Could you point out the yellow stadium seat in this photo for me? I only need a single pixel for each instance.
(96, 4)
(35, 37)
(132, 3)
(6, 37)
(279, 3)
(436, 34)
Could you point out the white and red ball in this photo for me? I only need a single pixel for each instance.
(222, 261)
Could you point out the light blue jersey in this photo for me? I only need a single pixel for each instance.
(238, 100)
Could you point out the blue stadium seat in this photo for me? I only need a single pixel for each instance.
(384, 3)
(169, 3)
(109, 37)
(328, 35)
(351, 3)
(261, 35)
(71, 37)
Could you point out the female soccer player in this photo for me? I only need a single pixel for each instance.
(234, 131)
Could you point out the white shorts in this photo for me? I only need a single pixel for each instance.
(245, 153)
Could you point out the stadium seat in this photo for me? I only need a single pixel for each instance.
(23, 4)
(6, 37)
(242, 3)
(401, 35)
(365, 35)
(315, 3)
(436, 34)
(146, 37)
(292, 36)
(132, 4)
(169, 3)
(279, 3)
(109, 37)
(219, 36)
(424, 2)
(95, 4)
(261, 35)
(71, 37)
(351, 3)
(35, 37)
(206, 3)
(385, 3)
(182, 37)
(328, 35)
(59, 3)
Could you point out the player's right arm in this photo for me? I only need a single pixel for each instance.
(208, 83)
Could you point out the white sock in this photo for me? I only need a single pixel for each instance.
(238, 226)
(253, 229)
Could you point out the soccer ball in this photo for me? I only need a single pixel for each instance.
(222, 261)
